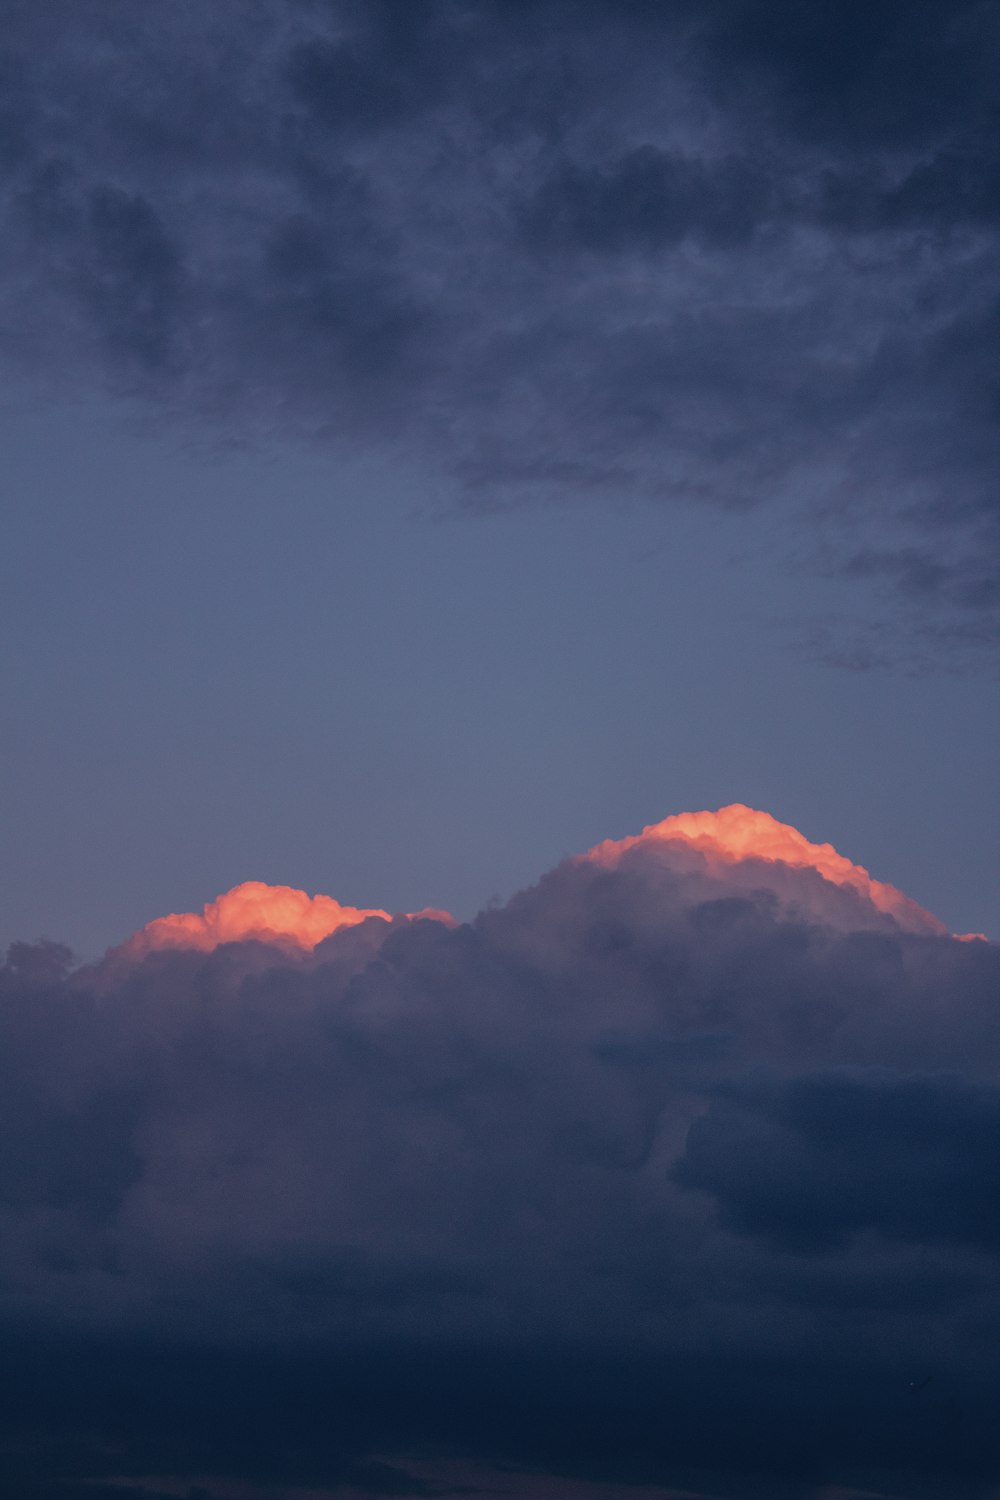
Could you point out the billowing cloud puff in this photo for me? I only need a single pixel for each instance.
(255, 911)
(269, 913)
(733, 836)
(678, 1171)
(737, 834)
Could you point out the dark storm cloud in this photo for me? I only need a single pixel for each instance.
(648, 1177)
(808, 1162)
(648, 200)
(132, 282)
(740, 252)
(840, 71)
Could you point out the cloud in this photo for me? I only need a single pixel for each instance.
(675, 1171)
(271, 913)
(277, 915)
(730, 253)
(808, 1161)
(648, 200)
(741, 836)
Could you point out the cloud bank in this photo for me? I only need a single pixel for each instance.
(737, 253)
(677, 1171)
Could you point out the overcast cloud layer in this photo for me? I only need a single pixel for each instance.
(661, 1175)
(742, 253)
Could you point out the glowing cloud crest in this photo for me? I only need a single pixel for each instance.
(270, 913)
(737, 833)
(737, 845)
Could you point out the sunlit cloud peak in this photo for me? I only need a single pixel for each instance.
(736, 843)
(737, 833)
(268, 913)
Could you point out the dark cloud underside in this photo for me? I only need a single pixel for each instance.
(643, 1179)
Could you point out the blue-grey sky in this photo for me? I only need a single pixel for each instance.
(434, 438)
(280, 664)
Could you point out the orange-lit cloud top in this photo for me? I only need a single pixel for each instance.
(731, 837)
(738, 833)
(270, 913)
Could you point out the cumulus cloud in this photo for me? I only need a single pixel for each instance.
(272, 913)
(741, 253)
(739, 835)
(677, 1170)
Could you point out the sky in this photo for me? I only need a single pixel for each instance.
(438, 437)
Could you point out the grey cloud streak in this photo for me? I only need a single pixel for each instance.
(653, 1176)
(736, 253)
